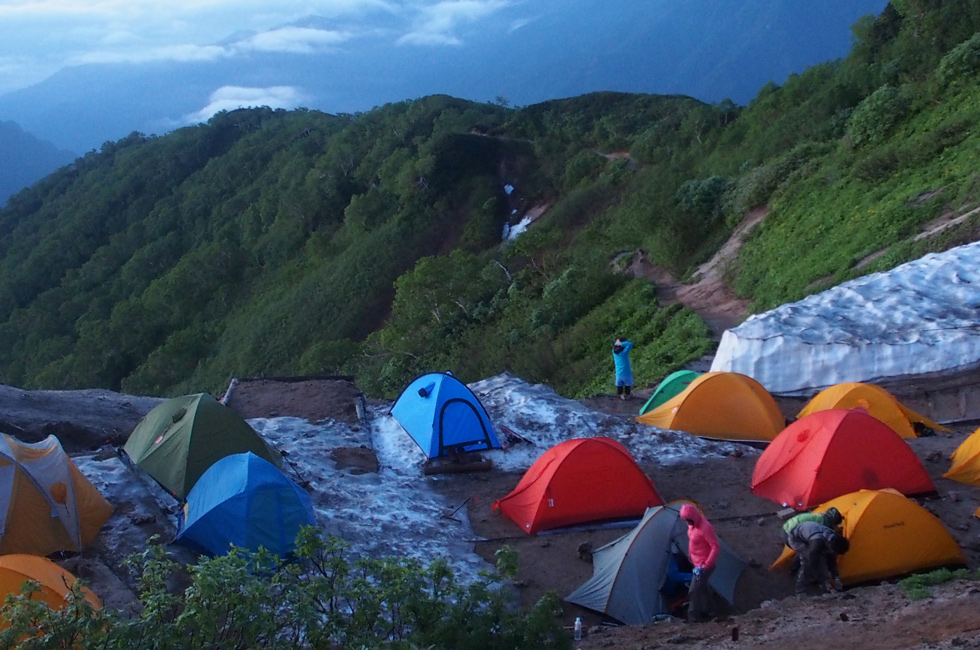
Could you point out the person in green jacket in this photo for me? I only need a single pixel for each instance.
(832, 519)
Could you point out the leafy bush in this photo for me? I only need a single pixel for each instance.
(961, 65)
(876, 115)
(325, 601)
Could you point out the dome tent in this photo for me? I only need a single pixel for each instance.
(442, 415)
(965, 461)
(875, 400)
(673, 384)
(245, 501)
(833, 452)
(890, 536)
(46, 503)
(722, 405)
(181, 438)
(629, 573)
(55, 582)
(579, 481)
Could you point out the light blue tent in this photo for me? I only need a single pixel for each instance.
(442, 415)
(247, 501)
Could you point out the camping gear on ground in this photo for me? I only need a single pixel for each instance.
(672, 385)
(444, 417)
(181, 438)
(890, 536)
(875, 400)
(55, 583)
(630, 574)
(46, 503)
(721, 405)
(965, 466)
(246, 501)
(579, 481)
(834, 452)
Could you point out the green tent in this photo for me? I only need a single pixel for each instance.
(672, 385)
(181, 438)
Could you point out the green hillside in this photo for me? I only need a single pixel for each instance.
(296, 242)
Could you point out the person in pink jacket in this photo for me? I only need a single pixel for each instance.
(702, 548)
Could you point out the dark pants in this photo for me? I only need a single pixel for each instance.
(817, 564)
(701, 604)
(621, 390)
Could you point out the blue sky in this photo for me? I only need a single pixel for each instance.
(41, 37)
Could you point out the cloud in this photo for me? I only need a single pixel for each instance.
(297, 40)
(436, 24)
(228, 98)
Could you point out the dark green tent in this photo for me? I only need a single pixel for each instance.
(672, 385)
(181, 438)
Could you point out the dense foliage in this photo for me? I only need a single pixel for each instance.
(325, 600)
(295, 242)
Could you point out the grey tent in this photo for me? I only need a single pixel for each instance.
(628, 574)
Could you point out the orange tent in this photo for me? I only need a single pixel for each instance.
(890, 536)
(965, 466)
(833, 452)
(579, 481)
(875, 400)
(46, 504)
(55, 582)
(724, 405)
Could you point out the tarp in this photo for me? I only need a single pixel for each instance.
(629, 573)
(55, 582)
(442, 415)
(673, 384)
(722, 405)
(965, 465)
(875, 400)
(916, 319)
(890, 536)
(181, 438)
(834, 452)
(246, 501)
(579, 481)
(46, 504)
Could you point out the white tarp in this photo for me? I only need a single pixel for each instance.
(921, 317)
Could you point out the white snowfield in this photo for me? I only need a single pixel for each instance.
(921, 317)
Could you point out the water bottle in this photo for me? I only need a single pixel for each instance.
(578, 628)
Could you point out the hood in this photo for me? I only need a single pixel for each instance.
(690, 512)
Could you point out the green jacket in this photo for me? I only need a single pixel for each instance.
(795, 520)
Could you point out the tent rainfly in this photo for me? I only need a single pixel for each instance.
(673, 384)
(875, 400)
(579, 481)
(181, 438)
(890, 536)
(442, 415)
(629, 573)
(722, 405)
(46, 504)
(833, 452)
(55, 583)
(965, 465)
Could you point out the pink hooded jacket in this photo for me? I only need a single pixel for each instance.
(702, 543)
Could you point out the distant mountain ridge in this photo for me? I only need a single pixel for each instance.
(705, 49)
(25, 159)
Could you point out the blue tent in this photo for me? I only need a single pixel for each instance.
(443, 415)
(247, 501)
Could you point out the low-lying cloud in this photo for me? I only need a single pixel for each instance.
(229, 98)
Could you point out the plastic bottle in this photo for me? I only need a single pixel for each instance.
(578, 628)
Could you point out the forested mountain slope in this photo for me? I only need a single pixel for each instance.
(300, 242)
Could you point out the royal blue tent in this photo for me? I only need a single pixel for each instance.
(443, 416)
(247, 501)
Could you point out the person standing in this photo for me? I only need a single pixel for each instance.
(818, 547)
(624, 370)
(702, 548)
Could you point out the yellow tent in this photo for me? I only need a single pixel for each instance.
(877, 401)
(966, 461)
(46, 504)
(890, 535)
(724, 405)
(55, 582)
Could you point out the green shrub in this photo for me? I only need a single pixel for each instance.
(961, 65)
(876, 115)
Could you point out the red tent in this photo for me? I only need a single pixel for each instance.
(580, 481)
(830, 453)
